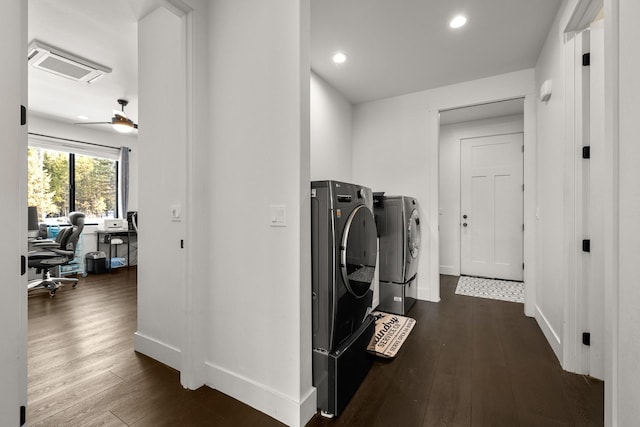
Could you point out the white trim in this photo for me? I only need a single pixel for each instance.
(77, 147)
(263, 398)
(156, 349)
(549, 333)
(611, 220)
(584, 13)
(433, 293)
(529, 253)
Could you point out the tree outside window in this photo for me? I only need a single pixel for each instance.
(51, 185)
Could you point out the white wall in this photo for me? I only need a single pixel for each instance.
(627, 366)
(449, 208)
(13, 178)
(395, 149)
(331, 148)
(162, 169)
(258, 289)
(550, 177)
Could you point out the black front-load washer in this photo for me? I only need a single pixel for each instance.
(343, 251)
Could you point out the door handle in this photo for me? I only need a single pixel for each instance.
(464, 224)
(464, 217)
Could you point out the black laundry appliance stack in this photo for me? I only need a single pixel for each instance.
(343, 252)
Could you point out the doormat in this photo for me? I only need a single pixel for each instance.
(504, 290)
(391, 332)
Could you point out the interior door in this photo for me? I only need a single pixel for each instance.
(596, 198)
(13, 215)
(492, 206)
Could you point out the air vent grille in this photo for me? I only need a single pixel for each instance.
(64, 64)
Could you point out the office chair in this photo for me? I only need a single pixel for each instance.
(56, 253)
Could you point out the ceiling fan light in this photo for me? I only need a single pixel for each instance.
(122, 128)
(121, 124)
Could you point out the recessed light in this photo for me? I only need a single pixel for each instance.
(339, 58)
(82, 117)
(458, 21)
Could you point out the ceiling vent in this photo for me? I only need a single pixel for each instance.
(64, 64)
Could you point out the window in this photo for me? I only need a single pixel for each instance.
(62, 182)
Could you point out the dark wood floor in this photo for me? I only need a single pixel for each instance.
(468, 362)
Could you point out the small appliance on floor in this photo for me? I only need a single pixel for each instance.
(343, 253)
(398, 222)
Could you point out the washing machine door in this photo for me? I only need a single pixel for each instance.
(413, 234)
(358, 251)
(413, 244)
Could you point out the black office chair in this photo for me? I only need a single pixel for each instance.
(52, 254)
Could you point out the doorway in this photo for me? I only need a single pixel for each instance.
(485, 125)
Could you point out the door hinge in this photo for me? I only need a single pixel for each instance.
(23, 265)
(586, 59)
(586, 338)
(523, 148)
(23, 115)
(522, 187)
(586, 152)
(586, 245)
(522, 227)
(181, 244)
(523, 265)
(23, 415)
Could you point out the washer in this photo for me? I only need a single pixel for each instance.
(343, 240)
(398, 222)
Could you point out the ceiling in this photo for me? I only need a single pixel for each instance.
(393, 47)
(404, 46)
(105, 32)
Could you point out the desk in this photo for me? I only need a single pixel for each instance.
(104, 236)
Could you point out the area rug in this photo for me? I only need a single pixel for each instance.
(391, 332)
(503, 290)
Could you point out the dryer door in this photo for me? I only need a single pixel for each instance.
(413, 244)
(358, 251)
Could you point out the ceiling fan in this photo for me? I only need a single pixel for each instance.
(119, 121)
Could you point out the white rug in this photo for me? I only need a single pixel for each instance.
(503, 290)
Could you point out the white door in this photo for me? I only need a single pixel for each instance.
(596, 198)
(13, 215)
(491, 202)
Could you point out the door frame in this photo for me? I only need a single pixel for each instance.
(529, 177)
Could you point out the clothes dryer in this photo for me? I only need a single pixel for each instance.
(343, 240)
(398, 223)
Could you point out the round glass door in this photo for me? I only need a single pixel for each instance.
(358, 251)
(414, 234)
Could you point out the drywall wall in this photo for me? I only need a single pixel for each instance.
(331, 147)
(162, 187)
(449, 207)
(627, 366)
(258, 343)
(552, 208)
(395, 149)
(13, 181)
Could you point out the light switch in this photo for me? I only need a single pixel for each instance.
(278, 215)
(175, 212)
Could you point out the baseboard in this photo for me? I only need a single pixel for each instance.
(549, 333)
(449, 270)
(263, 398)
(162, 352)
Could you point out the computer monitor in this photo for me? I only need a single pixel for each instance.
(33, 225)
